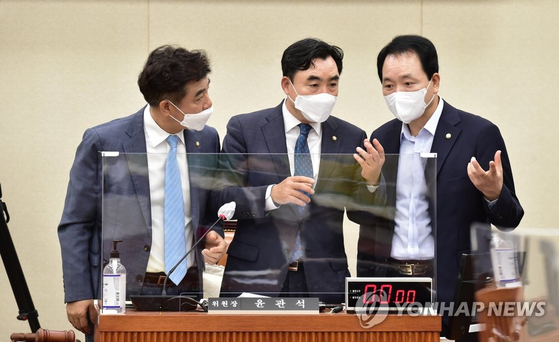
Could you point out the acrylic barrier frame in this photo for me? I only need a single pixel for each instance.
(342, 209)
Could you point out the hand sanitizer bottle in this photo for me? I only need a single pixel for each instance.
(504, 259)
(114, 283)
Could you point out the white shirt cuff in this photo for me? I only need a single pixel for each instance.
(270, 205)
(372, 188)
(490, 204)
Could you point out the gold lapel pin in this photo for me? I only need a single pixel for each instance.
(448, 135)
(334, 138)
(197, 144)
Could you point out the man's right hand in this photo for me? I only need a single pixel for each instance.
(77, 314)
(371, 161)
(290, 191)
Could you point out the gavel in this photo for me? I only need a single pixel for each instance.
(43, 335)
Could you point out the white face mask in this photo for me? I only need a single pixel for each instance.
(194, 122)
(315, 108)
(408, 105)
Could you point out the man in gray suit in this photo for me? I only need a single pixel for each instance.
(127, 194)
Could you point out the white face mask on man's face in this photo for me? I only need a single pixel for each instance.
(194, 122)
(315, 108)
(408, 105)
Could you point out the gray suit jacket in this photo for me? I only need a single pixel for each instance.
(126, 209)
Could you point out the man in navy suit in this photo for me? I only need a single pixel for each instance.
(123, 197)
(466, 145)
(295, 173)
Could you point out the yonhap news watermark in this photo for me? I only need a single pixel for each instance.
(374, 313)
(500, 309)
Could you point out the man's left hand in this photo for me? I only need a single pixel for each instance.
(215, 248)
(490, 182)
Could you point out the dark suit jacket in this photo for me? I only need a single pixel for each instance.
(258, 255)
(458, 137)
(126, 213)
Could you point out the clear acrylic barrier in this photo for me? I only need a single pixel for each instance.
(347, 230)
(517, 294)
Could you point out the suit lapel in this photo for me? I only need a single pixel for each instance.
(446, 134)
(329, 151)
(135, 149)
(391, 144)
(190, 139)
(391, 141)
(274, 135)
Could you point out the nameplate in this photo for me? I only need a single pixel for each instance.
(297, 306)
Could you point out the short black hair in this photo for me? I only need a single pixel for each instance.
(299, 55)
(167, 71)
(421, 46)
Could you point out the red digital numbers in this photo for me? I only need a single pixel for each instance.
(370, 291)
(400, 295)
(384, 295)
(410, 298)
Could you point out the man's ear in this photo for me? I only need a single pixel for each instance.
(285, 84)
(436, 81)
(164, 107)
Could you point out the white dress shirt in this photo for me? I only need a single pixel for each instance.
(413, 237)
(157, 149)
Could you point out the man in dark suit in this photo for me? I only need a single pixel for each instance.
(124, 197)
(408, 239)
(293, 183)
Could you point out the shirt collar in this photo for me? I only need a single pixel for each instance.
(430, 126)
(155, 133)
(290, 122)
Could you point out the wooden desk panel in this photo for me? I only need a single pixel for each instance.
(198, 327)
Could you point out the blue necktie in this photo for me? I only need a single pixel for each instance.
(175, 241)
(303, 167)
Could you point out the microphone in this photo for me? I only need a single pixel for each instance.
(225, 212)
(164, 302)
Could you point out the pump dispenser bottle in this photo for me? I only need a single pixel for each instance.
(114, 283)
(504, 259)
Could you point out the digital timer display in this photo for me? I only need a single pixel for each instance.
(383, 294)
(388, 293)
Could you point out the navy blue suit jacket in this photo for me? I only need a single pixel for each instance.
(258, 255)
(126, 212)
(459, 137)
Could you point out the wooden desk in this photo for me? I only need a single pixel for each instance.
(497, 326)
(199, 326)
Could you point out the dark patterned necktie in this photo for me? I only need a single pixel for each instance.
(303, 167)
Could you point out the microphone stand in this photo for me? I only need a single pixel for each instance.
(27, 310)
(164, 291)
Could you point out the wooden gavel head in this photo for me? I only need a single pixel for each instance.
(43, 335)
